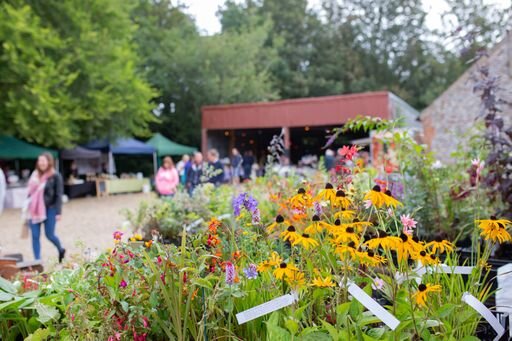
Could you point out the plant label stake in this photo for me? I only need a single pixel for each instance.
(460, 270)
(266, 308)
(385, 316)
(480, 308)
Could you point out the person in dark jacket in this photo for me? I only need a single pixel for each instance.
(217, 167)
(45, 189)
(194, 173)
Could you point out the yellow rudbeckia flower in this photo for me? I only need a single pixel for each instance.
(285, 270)
(306, 241)
(423, 290)
(326, 194)
(323, 282)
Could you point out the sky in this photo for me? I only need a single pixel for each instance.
(204, 11)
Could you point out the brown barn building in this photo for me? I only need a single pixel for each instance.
(304, 122)
(454, 113)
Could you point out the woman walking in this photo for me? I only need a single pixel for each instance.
(45, 189)
(167, 178)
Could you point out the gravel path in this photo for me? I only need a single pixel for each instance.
(86, 223)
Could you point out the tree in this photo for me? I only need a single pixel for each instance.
(68, 72)
(191, 70)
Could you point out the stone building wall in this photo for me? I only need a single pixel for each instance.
(455, 112)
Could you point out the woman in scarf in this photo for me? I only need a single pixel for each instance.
(45, 189)
(167, 178)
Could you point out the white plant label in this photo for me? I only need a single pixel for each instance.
(266, 308)
(460, 270)
(474, 303)
(385, 316)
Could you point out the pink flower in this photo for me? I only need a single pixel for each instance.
(145, 321)
(123, 284)
(159, 259)
(117, 235)
(409, 224)
(378, 283)
(230, 273)
(478, 165)
(390, 212)
(348, 152)
(367, 204)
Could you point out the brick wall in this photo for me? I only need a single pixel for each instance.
(454, 114)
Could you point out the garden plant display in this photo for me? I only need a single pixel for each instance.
(310, 237)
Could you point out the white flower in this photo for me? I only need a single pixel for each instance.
(437, 165)
(378, 283)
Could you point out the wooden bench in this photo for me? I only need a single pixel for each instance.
(10, 266)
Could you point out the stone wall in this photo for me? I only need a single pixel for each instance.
(455, 113)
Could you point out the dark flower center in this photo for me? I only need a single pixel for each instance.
(337, 222)
(356, 220)
(382, 234)
(340, 193)
(438, 239)
(352, 244)
(501, 225)
(370, 253)
(376, 188)
(416, 239)
(316, 218)
(422, 287)
(423, 253)
(282, 265)
(291, 228)
(301, 191)
(388, 193)
(493, 217)
(328, 186)
(305, 235)
(404, 237)
(279, 219)
(350, 230)
(433, 257)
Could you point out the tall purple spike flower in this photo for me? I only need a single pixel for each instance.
(249, 203)
(230, 273)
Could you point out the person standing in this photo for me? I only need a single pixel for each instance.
(329, 159)
(236, 165)
(215, 164)
(45, 189)
(167, 178)
(248, 161)
(181, 167)
(194, 173)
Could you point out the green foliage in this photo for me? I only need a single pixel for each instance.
(68, 72)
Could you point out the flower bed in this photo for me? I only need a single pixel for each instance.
(322, 248)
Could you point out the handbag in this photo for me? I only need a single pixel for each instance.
(24, 230)
(24, 218)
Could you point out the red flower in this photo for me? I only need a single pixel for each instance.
(348, 152)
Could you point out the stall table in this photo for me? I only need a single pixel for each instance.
(116, 186)
(80, 190)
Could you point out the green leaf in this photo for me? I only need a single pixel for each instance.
(39, 335)
(4, 296)
(316, 336)
(7, 286)
(446, 310)
(202, 282)
(343, 309)
(331, 329)
(46, 313)
(292, 326)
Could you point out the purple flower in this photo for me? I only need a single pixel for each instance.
(250, 272)
(230, 273)
(249, 203)
(318, 208)
(256, 219)
(123, 284)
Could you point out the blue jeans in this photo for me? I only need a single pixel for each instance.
(49, 231)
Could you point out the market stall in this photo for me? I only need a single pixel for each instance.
(126, 182)
(78, 164)
(18, 157)
(166, 147)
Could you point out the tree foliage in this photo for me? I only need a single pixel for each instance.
(69, 72)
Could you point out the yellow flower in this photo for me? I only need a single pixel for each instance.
(285, 270)
(301, 199)
(379, 199)
(296, 280)
(136, 237)
(371, 259)
(347, 251)
(495, 229)
(341, 200)
(279, 221)
(345, 214)
(423, 290)
(326, 194)
(290, 234)
(384, 241)
(274, 260)
(323, 282)
(407, 247)
(439, 244)
(316, 225)
(306, 241)
(358, 225)
(345, 235)
(425, 258)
